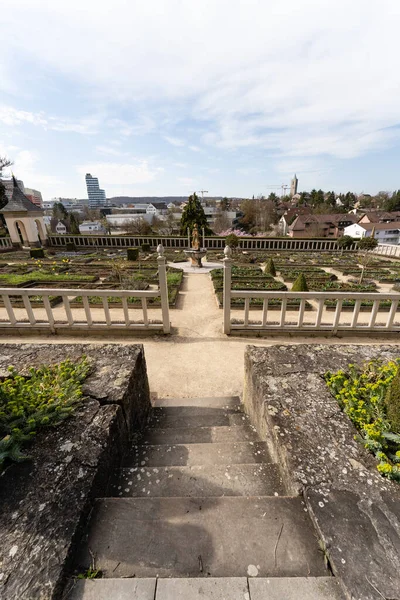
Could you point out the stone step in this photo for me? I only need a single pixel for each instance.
(200, 588)
(196, 417)
(199, 481)
(218, 402)
(193, 411)
(287, 588)
(196, 537)
(200, 435)
(228, 453)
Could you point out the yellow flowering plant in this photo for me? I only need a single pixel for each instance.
(361, 392)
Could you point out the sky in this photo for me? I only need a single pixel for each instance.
(167, 97)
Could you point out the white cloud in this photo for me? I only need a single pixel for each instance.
(113, 173)
(174, 141)
(83, 126)
(109, 151)
(140, 126)
(188, 182)
(11, 117)
(308, 79)
(26, 166)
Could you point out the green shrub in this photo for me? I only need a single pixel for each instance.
(300, 285)
(70, 247)
(132, 253)
(232, 241)
(270, 267)
(37, 253)
(146, 248)
(44, 399)
(392, 402)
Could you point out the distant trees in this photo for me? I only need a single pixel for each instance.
(317, 197)
(273, 198)
(258, 215)
(224, 204)
(138, 226)
(71, 220)
(4, 162)
(330, 199)
(3, 197)
(392, 203)
(222, 222)
(59, 211)
(348, 200)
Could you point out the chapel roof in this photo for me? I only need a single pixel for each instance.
(19, 202)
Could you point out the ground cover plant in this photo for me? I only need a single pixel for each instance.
(12, 279)
(315, 273)
(45, 398)
(370, 395)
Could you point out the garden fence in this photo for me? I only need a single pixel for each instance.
(209, 242)
(34, 308)
(387, 250)
(307, 312)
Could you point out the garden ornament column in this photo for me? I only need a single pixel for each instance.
(227, 289)
(162, 279)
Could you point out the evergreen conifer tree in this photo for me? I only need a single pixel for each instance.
(193, 213)
(270, 268)
(300, 285)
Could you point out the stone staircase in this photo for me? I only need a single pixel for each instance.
(199, 511)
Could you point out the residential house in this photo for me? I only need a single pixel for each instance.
(289, 216)
(90, 227)
(324, 226)
(380, 216)
(385, 233)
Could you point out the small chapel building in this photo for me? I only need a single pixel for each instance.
(24, 220)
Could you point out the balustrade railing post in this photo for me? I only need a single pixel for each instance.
(162, 278)
(227, 290)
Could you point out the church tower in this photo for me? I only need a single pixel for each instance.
(293, 186)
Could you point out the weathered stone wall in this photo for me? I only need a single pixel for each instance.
(355, 510)
(45, 502)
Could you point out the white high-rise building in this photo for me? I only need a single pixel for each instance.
(97, 196)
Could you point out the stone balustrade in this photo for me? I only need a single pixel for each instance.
(19, 314)
(310, 314)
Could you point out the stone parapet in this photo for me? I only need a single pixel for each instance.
(45, 502)
(356, 512)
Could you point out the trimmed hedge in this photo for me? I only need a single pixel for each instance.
(132, 253)
(36, 253)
